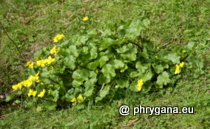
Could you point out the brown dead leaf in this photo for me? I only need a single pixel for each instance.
(130, 122)
(2, 97)
(68, 13)
(119, 103)
(85, 122)
(96, 10)
(22, 20)
(208, 91)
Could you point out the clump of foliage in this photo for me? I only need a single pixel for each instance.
(98, 64)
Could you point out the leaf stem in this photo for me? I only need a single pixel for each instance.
(11, 40)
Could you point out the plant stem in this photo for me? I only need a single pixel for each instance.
(11, 40)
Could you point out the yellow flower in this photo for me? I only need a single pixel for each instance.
(54, 50)
(80, 98)
(27, 82)
(17, 86)
(178, 70)
(32, 92)
(73, 100)
(43, 62)
(140, 84)
(181, 64)
(30, 64)
(40, 63)
(85, 18)
(183, 51)
(49, 60)
(35, 77)
(41, 94)
(30, 80)
(58, 37)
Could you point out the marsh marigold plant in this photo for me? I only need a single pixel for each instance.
(95, 65)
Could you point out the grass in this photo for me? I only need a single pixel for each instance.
(32, 25)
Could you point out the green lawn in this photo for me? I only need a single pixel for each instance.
(28, 26)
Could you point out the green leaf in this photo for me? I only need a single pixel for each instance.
(105, 43)
(69, 62)
(63, 89)
(10, 97)
(122, 32)
(142, 68)
(81, 39)
(108, 71)
(133, 87)
(31, 71)
(55, 94)
(129, 55)
(93, 52)
(92, 33)
(65, 43)
(124, 68)
(39, 54)
(93, 74)
(163, 79)
(148, 45)
(89, 87)
(76, 83)
(117, 64)
(106, 33)
(103, 60)
(49, 105)
(59, 69)
(134, 29)
(147, 86)
(104, 91)
(146, 76)
(173, 57)
(93, 65)
(144, 54)
(103, 79)
(134, 74)
(122, 83)
(198, 63)
(72, 50)
(146, 22)
(191, 45)
(45, 73)
(84, 50)
(158, 68)
(80, 74)
(70, 124)
(69, 95)
(123, 49)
